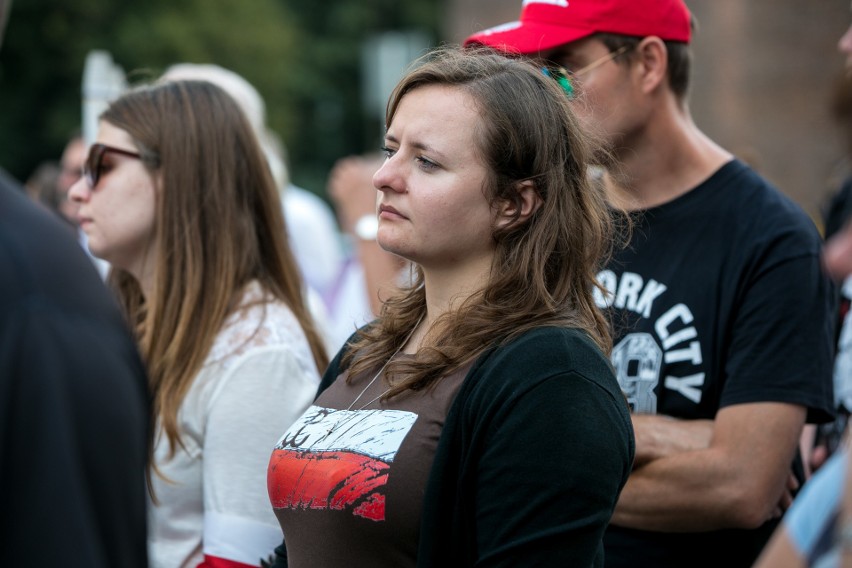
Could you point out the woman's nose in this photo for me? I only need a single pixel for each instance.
(79, 192)
(387, 177)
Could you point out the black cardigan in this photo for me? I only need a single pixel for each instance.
(535, 450)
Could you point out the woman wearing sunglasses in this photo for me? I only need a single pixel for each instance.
(178, 198)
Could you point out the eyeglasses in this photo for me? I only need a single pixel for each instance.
(93, 167)
(568, 79)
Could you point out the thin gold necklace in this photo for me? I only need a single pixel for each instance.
(395, 353)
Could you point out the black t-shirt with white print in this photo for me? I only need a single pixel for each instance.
(718, 300)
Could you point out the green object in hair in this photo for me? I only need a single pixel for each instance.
(561, 77)
(566, 85)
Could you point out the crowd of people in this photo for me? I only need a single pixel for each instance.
(544, 327)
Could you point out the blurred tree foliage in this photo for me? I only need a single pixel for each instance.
(303, 57)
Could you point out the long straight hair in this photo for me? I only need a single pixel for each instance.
(219, 225)
(544, 268)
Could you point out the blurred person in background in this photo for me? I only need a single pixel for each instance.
(178, 197)
(370, 273)
(71, 170)
(723, 335)
(73, 401)
(42, 186)
(836, 216)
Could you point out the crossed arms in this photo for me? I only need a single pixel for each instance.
(699, 475)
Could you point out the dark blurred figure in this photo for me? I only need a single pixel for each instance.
(73, 402)
(840, 206)
(42, 186)
(836, 216)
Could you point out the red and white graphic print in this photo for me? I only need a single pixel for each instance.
(337, 460)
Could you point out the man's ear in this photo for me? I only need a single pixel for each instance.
(653, 62)
(521, 207)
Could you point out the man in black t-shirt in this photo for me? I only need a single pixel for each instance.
(73, 402)
(722, 339)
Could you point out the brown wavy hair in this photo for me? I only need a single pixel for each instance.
(544, 268)
(219, 225)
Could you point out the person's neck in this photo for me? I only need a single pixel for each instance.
(144, 275)
(667, 159)
(446, 290)
(147, 287)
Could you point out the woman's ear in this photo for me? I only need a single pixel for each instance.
(517, 210)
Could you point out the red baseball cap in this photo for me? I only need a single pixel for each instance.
(546, 24)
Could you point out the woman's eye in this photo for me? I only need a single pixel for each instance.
(426, 164)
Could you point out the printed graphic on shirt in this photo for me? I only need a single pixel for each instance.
(665, 348)
(337, 460)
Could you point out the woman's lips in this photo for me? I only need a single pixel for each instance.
(388, 212)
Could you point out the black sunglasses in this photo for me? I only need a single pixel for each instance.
(92, 169)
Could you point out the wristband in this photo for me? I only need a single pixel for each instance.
(367, 227)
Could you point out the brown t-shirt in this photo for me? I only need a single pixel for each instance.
(347, 485)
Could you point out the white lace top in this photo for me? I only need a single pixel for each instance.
(258, 378)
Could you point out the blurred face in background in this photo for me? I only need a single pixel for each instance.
(844, 46)
(837, 254)
(71, 171)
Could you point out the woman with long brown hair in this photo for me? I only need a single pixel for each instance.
(477, 420)
(178, 198)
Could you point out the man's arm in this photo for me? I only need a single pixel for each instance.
(659, 436)
(737, 481)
